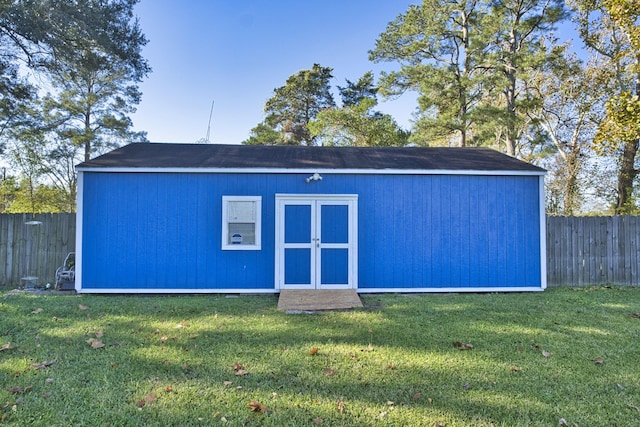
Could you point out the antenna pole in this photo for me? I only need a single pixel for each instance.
(206, 140)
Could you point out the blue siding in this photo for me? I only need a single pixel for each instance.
(335, 224)
(297, 227)
(334, 266)
(163, 230)
(297, 266)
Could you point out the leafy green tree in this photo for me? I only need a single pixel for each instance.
(92, 101)
(31, 197)
(51, 163)
(611, 29)
(41, 32)
(441, 51)
(572, 105)
(357, 123)
(519, 28)
(293, 106)
(469, 61)
(8, 191)
(52, 36)
(88, 55)
(263, 134)
(356, 92)
(17, 98)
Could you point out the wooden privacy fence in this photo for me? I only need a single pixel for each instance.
(580, 250)
(28, 249)
(593, 250)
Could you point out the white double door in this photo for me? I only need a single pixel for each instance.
(316, 241)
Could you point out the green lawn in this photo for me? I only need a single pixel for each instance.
(565, 356)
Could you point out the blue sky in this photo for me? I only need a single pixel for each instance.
(237, 52)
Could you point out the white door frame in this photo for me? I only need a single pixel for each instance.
(351, 200)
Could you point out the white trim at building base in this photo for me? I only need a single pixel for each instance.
(446, 290)
(175, 291)
(275, 291)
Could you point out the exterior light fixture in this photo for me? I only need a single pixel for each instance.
(315, 177)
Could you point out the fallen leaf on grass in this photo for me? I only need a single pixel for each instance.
(546, 353)
(6, 346)
(150, 398)
(341, 406)
(37, 310)
(182, 325)
(330, 372)
(94, 343)
(313, 351)
(256, 406)
(227, 383)
(168, 389)
(440, 425)
(43, 365)
(417, 396)
(462, 346)
(83, 307)
(99, 334)
(598, 360)
(317, 421)
(635, 315)
(239, 369)
(47, 395)
(514, 369)
(19, 390)
(637, 408)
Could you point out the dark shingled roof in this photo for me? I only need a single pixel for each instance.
(156, 155)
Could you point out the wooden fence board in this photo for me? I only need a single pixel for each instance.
(593, 250)
(49, 244)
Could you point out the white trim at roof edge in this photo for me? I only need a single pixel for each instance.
(320, 171)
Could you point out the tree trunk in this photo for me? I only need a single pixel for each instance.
(626, 176)
(628, 171)
(511, 134)
(571, 187)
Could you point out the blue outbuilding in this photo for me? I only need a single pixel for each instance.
(201, 218)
